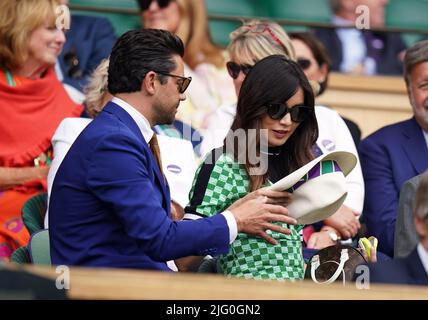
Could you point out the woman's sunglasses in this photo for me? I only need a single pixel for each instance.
(304, 63)
(182, 82)
(145, 4)
(299, 113)
(234, 69)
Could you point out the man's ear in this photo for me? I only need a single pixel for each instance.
(148, 85)
(421, 227)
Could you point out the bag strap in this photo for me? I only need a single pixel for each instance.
(315, 263)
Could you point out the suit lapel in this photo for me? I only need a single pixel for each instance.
(415, 146)
(132, 125)
(417, 272)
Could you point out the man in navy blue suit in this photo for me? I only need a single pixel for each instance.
(412, 270)
(396, 153)
(362, 51)
(110, 204)
(89, 40)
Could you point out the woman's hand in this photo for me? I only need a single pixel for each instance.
(322, 239)
(177, 211)
(12, 177)
(345, 221)
(271, 197)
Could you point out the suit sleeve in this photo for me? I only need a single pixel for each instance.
(406, 238)
(119, 176)
(381, 196)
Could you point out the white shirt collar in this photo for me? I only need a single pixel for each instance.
(423, 255)
(339, 21)
(425, 136)
(142, 123)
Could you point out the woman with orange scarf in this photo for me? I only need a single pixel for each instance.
(32, 102)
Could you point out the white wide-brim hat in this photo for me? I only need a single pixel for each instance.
(319, 187)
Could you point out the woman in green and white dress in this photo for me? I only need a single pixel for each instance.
(272, 135)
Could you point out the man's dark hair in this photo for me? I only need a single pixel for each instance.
(136, 53)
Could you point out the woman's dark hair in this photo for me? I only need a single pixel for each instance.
(318, 51)
(136, 53)
(275, 79)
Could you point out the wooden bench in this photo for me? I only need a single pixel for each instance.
(88, 283)
(372, 102)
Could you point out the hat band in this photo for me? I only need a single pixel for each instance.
(321, 168)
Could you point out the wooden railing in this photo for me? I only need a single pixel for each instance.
(372, 102)
(86, 283)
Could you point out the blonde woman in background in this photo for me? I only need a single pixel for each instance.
(33, 102)
(204, 61)
(250, 43)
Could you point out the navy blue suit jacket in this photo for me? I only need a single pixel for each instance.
(110, 207)
(389, 62)
(91, 39)
(389, 157)
(409, 271)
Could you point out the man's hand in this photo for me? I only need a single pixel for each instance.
(177, 211)
(345, 220)
(255, 215)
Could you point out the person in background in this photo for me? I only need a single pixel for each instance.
(394, 154)
(412, 269)
(110, 202)
(88, 41)
(312, 56)
(405, 237)
(33, 103)
(362, 51)
(204, 61)
(333, 135)
(250, 43)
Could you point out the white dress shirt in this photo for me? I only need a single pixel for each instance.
(425, 136)
(423, 255)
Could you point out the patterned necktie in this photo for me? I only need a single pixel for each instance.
(154, 147)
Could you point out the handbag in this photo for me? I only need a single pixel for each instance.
(334, 263)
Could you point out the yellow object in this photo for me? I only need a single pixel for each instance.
(367, 243)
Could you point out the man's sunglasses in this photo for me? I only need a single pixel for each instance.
(182, 82)
(304, 63)
(145, 4)
(234, 69)
(298, 113)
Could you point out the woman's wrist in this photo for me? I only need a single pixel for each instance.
(333, 233)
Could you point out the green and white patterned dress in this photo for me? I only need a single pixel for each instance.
(215, 187)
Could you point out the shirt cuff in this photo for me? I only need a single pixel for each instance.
(231, 223)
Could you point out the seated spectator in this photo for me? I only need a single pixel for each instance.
(316, 64)
(362, 51)
(250, 43)
(413, 269)
(394, 154)
(204, 61)
(228, 176)
(110, 202)
(88, 41)
(33, 103)
(406, 237)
